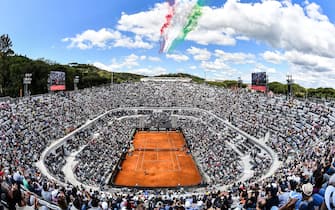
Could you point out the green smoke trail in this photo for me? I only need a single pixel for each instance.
(191, 23)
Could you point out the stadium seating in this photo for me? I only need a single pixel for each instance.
(300, 132)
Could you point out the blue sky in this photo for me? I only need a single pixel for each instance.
(232, 38)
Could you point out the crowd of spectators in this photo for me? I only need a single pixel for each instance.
(301, 132)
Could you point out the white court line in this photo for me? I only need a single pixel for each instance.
(156, 151)
(138, 158)
(171, 156)
(158, 161)
(143, 153)
(178, 162)
(173, 165)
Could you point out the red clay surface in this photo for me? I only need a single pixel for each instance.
(159, 160)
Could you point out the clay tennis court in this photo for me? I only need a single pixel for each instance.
(159, 160)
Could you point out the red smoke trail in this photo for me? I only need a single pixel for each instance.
(168, 18)
(167, 23)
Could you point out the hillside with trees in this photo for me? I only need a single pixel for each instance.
(13, 68)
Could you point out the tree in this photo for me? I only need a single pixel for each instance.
(5, 46)
(5, 51)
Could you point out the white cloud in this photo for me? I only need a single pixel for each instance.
(199, 54)
(259, 67)
(314, 11)
(307, 69)
(155, 59)
(310, 62)
(146, 23)
(223, 75)
(302, 36)
(128, 62)
(91, 38)
(149, 71)
(152, 71)
(180, 70)
(313, 79)
(102, 66)
(137, 42)
(281, 24)
(178, 57)
(193, 67)
(306, 61)
(105, 38)
(215, 65)
(236, 58)
(244, 38)
(223, 59)
(273, 57)
(206, 37)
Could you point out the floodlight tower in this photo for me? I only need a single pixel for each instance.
(267, 84)
(289, 86)
(239, 82)
(26, 81)
(112, 79)
(76, 81)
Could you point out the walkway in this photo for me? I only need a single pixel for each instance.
(68, 168)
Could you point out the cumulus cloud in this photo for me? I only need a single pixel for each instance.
(280, 24)
(311, 62)
(262, 68)
(313, 79)
(153, 58)
(152, 71)
(127, 42)
(146, 23)
(193, 67)
(236, 58)
(91, 38)
(131, 64)
(308, 69)
(199, 54)
(102, 66)
(223, 61)
(273, 57)
(314, 12)
(128, 62)
(215, 65)
(178, 57)
(305, 61)
(149, 71)
(105, 38)
(223, 75)
(206, 37)
(300, 35)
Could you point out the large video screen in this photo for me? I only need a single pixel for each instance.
(258, 79)
(57, 80)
